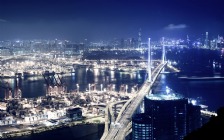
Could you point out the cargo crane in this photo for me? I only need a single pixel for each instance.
(8, 90)
(54, 82)
(17, 92)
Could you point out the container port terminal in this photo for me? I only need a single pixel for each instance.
(59, 107)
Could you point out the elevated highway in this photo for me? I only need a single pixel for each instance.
(123, 121)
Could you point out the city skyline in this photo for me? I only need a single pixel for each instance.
(104, 20)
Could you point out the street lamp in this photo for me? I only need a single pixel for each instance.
(167, 90)
(136, 86)
(101, 87)
(126, 88)
(77, 88)
(113, 87)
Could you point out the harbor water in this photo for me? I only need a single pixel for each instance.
(209, 93)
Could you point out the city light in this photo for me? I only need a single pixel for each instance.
(104, 75)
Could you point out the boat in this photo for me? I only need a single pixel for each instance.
(201, 78)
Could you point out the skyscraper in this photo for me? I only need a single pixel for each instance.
(139, 39)
(142, 127)
(166, 117)
(206, 41)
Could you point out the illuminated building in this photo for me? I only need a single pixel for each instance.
(74, 113)
(139, 39)
(141, 127)
(206, 41)
(166, 116)
(73, 49)
(5, 51)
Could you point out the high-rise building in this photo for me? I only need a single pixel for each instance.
(166, 117)
(206, 41)
(142, 127)
(139, 39)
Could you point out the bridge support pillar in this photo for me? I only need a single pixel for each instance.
(149, 62)
(163, 51)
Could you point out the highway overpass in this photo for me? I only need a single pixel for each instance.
(122, 125)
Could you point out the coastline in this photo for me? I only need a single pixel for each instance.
(36, 130)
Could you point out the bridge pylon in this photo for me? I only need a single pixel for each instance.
(149, 62)
(163, 51)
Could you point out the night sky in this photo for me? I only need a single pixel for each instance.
(97, 20)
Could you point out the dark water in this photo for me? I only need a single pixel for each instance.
(210, 93)
(207, 92)
(82, 132)
(32, 87)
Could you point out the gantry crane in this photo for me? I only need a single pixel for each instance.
(54, 82)
(8, 90)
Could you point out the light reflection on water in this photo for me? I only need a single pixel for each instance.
(209, 92)
(35, 86)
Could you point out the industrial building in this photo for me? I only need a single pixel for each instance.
(74, 113)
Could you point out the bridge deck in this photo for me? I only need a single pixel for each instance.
(118, 132)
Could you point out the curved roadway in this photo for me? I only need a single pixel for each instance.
(123, 123)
